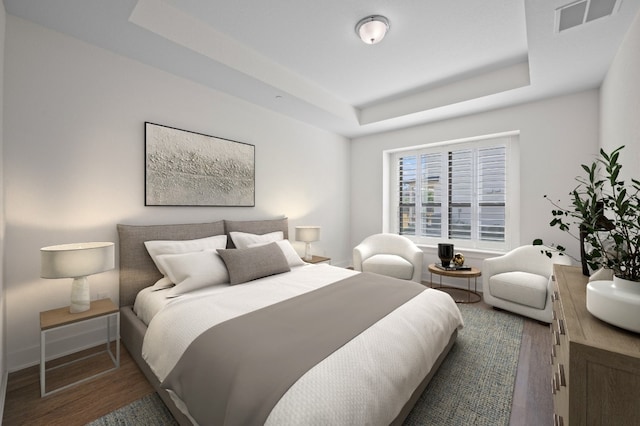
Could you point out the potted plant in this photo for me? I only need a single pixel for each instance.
(606, 212)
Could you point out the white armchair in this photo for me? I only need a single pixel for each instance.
(520, 281)
(389, 254)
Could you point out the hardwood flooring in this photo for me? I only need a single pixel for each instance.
(532, 401)
(79, 404)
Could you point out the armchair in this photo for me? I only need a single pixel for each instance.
(520, 281)
(389, 254)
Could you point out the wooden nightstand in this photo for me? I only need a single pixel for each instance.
(56, 319)
(319, 259)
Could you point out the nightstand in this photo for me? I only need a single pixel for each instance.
(57, 319)
(319, 259)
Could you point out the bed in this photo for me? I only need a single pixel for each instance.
(372, 376)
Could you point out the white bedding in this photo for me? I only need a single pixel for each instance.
(367, 381)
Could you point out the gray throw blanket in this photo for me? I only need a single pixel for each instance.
(237, 371)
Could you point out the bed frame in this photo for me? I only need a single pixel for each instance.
(138, 271)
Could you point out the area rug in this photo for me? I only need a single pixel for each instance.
(474, 385)
(147, 411)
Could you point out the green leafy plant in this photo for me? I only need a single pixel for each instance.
(549, 250)
(607, 214)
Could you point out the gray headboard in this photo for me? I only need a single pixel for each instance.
(256, 227)
(138, 271)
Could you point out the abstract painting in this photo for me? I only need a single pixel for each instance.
(185, 168)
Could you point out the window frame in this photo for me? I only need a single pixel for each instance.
(391, 196)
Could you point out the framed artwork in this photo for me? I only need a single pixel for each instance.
(191, 169)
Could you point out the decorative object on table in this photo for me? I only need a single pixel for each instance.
(452, 267)
(602, 274)
(307, 234)
(191, 169)
(445, 253)
(615, 301)
(607, 214)
(458, 259)
(77, 261)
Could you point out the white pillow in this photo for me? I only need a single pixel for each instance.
(191, 271)
(293, 259)
(161, 284)
(242, 240)
(160, 247)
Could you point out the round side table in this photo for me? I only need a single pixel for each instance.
(472, 295)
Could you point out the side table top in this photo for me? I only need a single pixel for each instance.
(317, 259)
(62, 316)
(473, 272)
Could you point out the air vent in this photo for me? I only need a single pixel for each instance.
(583, 11)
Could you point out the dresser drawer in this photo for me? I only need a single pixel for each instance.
(559, 361)
(595, 367)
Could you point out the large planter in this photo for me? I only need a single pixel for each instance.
(616, 302)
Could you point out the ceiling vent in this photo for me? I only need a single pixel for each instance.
(583, 11)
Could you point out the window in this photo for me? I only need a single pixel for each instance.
(456, 191)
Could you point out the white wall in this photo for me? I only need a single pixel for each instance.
(556, 136)
(620, 103)
(3, 346)
(74, 165)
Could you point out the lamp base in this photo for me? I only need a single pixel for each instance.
(80, 297)
(307, 252)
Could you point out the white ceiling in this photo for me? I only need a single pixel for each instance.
(302, 58)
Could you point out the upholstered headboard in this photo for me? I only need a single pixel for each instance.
(138, 271)
(259, 227)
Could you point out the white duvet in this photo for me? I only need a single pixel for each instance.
(367, 381)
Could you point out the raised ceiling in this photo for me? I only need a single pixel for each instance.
(302, 58)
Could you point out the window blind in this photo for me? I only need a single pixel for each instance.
(456, 192)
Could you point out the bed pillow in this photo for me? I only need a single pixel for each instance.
(160, 247)
(243, 240)
(253, 263)
(191, 271)
(293, 259)
(162, 283)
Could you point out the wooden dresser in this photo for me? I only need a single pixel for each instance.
(595, 376)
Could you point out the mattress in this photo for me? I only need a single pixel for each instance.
(367, 381)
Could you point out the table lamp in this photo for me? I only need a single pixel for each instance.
(77, 261)
(308, 234)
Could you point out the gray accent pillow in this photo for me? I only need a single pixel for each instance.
(253, 263)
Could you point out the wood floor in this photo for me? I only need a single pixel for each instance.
(532, 402)
(79, 404)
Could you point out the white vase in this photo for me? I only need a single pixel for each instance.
(602, 274)
(616, 302)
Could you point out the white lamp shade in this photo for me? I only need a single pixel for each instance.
(372, 29)
(76, 260)
(307, 233)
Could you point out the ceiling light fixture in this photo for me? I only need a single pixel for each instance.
(372, 29)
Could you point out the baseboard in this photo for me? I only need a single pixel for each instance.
(3, 393)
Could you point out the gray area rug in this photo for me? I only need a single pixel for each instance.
(147, 411)
(474, 385)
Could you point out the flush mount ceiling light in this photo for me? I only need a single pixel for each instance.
(372, 29)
